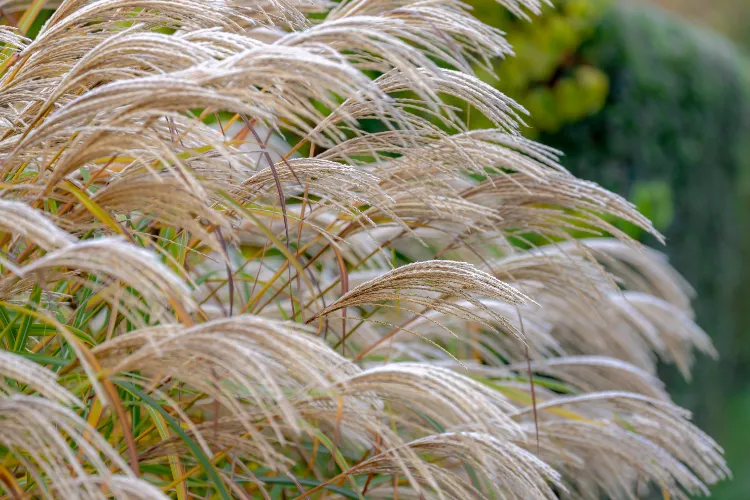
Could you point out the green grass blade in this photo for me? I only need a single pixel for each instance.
(202, 458)
(285, 481)
(23, 332)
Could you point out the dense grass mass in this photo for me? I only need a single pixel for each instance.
(249, 251)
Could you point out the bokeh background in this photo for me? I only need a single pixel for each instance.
(652, 100)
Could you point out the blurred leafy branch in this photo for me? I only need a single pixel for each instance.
(549, 75)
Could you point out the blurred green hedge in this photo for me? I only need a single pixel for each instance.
(667, 124)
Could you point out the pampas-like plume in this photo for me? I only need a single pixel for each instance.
(252, 249)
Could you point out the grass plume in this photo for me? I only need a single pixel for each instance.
(251, 250)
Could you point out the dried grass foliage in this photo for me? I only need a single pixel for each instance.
(192, 308)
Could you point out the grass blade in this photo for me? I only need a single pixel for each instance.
(204, 460)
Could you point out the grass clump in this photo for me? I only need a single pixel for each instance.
(220, 280)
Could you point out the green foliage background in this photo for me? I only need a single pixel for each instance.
(659, 111)
(548, 76)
